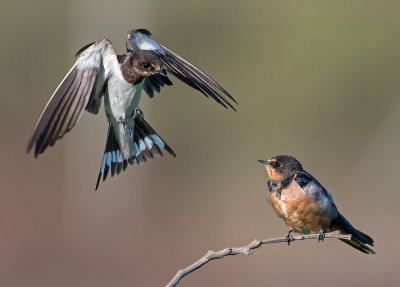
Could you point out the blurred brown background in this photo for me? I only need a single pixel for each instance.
(314, 79)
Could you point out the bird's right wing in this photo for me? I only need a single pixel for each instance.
(81, 88)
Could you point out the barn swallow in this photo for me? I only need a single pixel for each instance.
(305, 205)
(100, 73)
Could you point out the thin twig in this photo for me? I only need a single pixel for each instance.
(247, 250)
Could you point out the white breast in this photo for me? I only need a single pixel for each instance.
(121, 98)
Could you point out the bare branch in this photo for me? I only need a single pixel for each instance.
(247, 250)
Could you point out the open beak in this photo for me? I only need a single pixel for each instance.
(263, 161)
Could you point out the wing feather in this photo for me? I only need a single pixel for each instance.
(75, 115)
(180, 68)
(83, 84)
(187, 72)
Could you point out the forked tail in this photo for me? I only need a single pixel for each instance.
(147, 143)
(358, 239)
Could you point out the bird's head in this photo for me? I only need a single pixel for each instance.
(141, 64)
(281, 167)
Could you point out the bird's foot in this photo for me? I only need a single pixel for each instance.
(289, 238)
(137, 113)
(125, 123)
(321, 235)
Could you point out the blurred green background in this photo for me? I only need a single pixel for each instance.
(318, 80)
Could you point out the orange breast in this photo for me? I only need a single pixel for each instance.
(300, 211)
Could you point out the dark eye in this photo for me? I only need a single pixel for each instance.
(277, 164)
(146, 65)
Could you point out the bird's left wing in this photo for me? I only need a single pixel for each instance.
(186, 72)
(82, 85)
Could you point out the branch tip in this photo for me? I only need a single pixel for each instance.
(247, 249)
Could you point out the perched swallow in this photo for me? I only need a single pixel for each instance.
(305, 205)
(100, 73)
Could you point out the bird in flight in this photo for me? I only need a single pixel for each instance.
(99, 73)
(305, 205)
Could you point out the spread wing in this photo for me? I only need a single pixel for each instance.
(179, 67)
(81, 88)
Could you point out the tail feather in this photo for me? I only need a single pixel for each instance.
(358, 245)
(147, 143)
(358, 239)
(158, 142)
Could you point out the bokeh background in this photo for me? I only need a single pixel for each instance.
(315, 79)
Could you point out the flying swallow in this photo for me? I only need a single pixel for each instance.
(305, 205)
(100, 74)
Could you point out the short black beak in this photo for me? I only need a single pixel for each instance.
(162, 72)
(263, 161)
